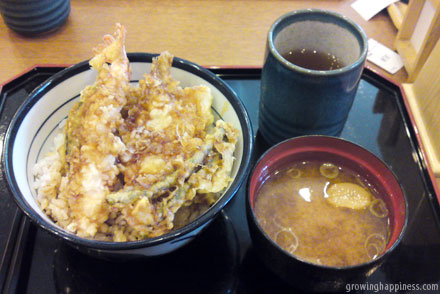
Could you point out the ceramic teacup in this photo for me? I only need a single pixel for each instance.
(314, 91)
(34, 17)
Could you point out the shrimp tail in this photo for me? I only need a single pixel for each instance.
(112, 51)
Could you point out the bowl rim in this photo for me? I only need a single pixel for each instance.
(251, 213)
(328, 15)
(175, 236)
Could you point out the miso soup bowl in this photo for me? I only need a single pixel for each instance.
(294, 270)
(31, 132)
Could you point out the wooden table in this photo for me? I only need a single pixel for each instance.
(210, 33)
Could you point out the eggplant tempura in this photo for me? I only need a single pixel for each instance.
(130, 156)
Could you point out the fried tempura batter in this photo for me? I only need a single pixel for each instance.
(131, 155)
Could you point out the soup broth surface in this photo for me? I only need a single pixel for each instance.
(293, 208)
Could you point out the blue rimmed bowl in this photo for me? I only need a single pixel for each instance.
(33, 127)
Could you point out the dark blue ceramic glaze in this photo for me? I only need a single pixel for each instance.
(34, 17)
(296, 101)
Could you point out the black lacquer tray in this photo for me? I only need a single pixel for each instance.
(221, 259)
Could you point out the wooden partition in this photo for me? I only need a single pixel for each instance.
(424, 99)
(418, 34)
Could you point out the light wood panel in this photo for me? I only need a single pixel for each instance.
(222, 33)
(412, 56)
(424, 98)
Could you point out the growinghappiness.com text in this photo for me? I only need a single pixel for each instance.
(392, 287)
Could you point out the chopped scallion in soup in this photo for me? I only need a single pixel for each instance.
(323, 213)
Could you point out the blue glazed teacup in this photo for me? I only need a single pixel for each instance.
(303, 99)
(34, 17)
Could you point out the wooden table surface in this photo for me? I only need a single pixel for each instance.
(210, 33)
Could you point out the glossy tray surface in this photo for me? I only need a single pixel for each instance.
(222, 260)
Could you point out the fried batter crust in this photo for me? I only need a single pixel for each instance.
(132, 155)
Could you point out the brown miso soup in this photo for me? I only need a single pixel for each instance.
(323, 213)
(313, 59)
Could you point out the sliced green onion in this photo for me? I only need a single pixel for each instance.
(374, 245)
(329, 170)
(294, 173)
(378, 208)
(287, 239)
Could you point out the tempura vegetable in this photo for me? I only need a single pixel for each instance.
(131, 155)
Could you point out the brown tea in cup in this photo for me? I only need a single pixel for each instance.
(313, 59)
